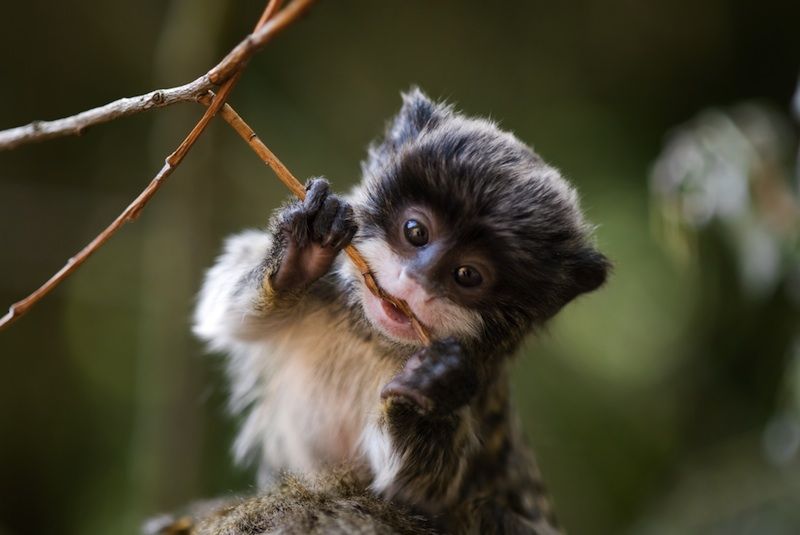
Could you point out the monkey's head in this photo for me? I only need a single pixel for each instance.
(470, 227)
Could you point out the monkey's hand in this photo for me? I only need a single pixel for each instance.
(428, 430)
(310, 234)
(435, 381)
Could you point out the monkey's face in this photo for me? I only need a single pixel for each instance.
(422, 260)
(470, 227)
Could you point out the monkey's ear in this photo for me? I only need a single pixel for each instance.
(418, 111)
(589, 271)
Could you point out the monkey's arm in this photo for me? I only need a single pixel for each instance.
(455, 452)
(233, 301)
(261, 276)
(425, 435)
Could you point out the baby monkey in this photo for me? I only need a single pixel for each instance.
(484, 241)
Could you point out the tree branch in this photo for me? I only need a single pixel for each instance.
(272, 21)
(227, 72)
(288, 179)
(256, 40)
(75, 125)
(233, 71)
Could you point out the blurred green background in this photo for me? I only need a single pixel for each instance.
(665, 403)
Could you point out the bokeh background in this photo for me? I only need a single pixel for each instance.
(665, 403)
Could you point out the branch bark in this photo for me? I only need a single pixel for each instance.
(227, 72)
(233, 71)
(272, 21)
(75, 125)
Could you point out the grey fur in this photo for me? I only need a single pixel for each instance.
(486, 181)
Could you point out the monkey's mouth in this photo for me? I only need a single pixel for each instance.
(388, 319)
(394, 313)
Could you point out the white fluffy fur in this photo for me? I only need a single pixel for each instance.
(384, 460)
(307, 386)
(309, 389)
(223, 317)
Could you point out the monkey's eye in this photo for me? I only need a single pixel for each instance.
(467, 276)
(415, 232)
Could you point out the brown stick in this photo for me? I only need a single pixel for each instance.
(294, 185)
(271, 22)
(272, 8)
(77, 124)
(253, 42)
(233, 72)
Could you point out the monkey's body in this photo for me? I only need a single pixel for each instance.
(306, 363)
(328, 375)
(312, 373)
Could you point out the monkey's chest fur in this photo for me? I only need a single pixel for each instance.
(311, 389)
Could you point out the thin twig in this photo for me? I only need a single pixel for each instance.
(272, 26)
(253, 42)
(272, 8)
(77, 124)
(294, 185)
(268, 27)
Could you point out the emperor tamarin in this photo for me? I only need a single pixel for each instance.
(483, 240)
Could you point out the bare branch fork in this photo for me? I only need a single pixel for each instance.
(227, 73)
(268, 26)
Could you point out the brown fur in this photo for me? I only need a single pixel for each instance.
(335, 503)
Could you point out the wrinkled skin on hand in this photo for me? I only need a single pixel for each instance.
(436, 380)
(313, 231)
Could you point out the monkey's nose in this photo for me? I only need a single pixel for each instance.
(409, 273)
(413, 285)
